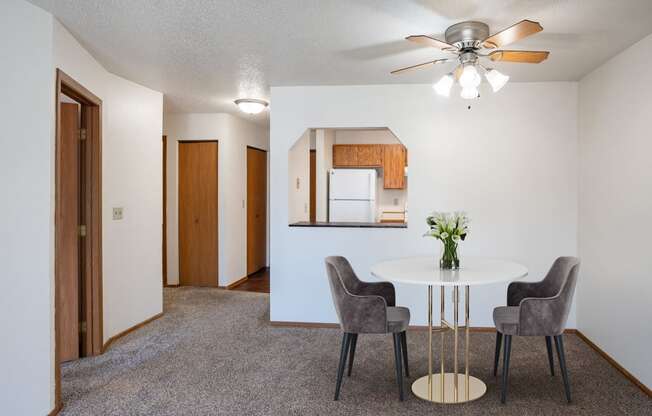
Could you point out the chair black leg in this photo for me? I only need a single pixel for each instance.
(499, 339)
(397, 359)
(405, 353)
(508, 350)
(559, 343)
(551, 360)
(354, 341)
(346, 339)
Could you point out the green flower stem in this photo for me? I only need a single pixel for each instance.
(449, 259)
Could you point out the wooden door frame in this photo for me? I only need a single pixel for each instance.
(91, 245)
(217, 142)
(312, 192)
(164, 254)
(266, 207)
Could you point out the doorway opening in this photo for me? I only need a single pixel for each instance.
(198, 222)
(78, 224)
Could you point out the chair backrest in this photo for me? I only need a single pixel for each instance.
(547, 315)
(572, 267)
(557, 276)
(345, 271)
(357, 314)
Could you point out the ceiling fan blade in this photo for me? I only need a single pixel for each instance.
(435, 43)
(527, 57)
(516, 32)
(419, 66)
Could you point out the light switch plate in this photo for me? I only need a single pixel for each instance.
(117, 213)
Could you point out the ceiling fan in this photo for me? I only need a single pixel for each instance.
(470, 41)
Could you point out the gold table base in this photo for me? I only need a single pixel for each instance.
(477, 388)
(455, 387)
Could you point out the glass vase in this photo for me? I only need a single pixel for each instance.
(449, 259)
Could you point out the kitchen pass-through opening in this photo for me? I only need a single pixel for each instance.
(348, 177)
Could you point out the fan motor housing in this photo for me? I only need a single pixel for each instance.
(467, 35)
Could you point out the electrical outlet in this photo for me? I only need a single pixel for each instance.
(298, 183)
(395, 201)
(117, 213)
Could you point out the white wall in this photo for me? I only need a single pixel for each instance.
(298, 180)
(615, 208)
(365, 136)
(512, 166)
(26, 212)
(131, 165)
(323, 163)
(233, 135)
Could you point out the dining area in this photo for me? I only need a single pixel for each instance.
(537, 308)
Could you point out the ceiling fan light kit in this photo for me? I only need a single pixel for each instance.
(251, 105)
(469, 41)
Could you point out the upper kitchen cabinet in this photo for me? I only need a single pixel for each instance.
(357, 155)
(370, 155)
(394, 162)
(391, 157)
(345, 155)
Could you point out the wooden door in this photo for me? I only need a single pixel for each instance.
(394, 162)
(68, 244)
(313, 186)
(198, 214)
(256, 210)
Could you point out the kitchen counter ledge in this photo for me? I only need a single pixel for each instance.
(349, 224)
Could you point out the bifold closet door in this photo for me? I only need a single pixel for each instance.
(198, 251)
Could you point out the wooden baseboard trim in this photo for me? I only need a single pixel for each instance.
(294, 324)
(56, 410)
(114, 338)
(173, 285)
(615, 364)
(237, 282)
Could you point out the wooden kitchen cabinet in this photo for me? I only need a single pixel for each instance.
(394, 162)
(345, 155)
(357, 155)
(391, 157)
(370, 155)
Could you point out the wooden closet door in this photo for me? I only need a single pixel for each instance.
(68, 243)
(256, 210)
(198, 255)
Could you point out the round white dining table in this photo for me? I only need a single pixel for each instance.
(444, 387)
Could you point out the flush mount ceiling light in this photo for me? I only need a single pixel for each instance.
(470, 41)
(251, 105)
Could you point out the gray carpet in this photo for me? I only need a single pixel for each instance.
(214, 353)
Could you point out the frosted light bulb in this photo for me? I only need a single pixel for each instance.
(443, 86)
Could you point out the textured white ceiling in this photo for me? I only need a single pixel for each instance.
(203, 54)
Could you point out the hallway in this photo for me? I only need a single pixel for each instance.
(214, 352)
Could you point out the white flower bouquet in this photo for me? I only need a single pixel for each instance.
(450, 229)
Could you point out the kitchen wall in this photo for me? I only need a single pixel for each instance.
(324, 162)
(298, 178)
(615, 208)
(513, 167)
(233, 135)
(27, 210)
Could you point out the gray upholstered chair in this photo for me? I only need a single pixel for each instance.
(366, 308)
(538, 309)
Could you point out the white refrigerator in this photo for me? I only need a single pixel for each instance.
(352, 195)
